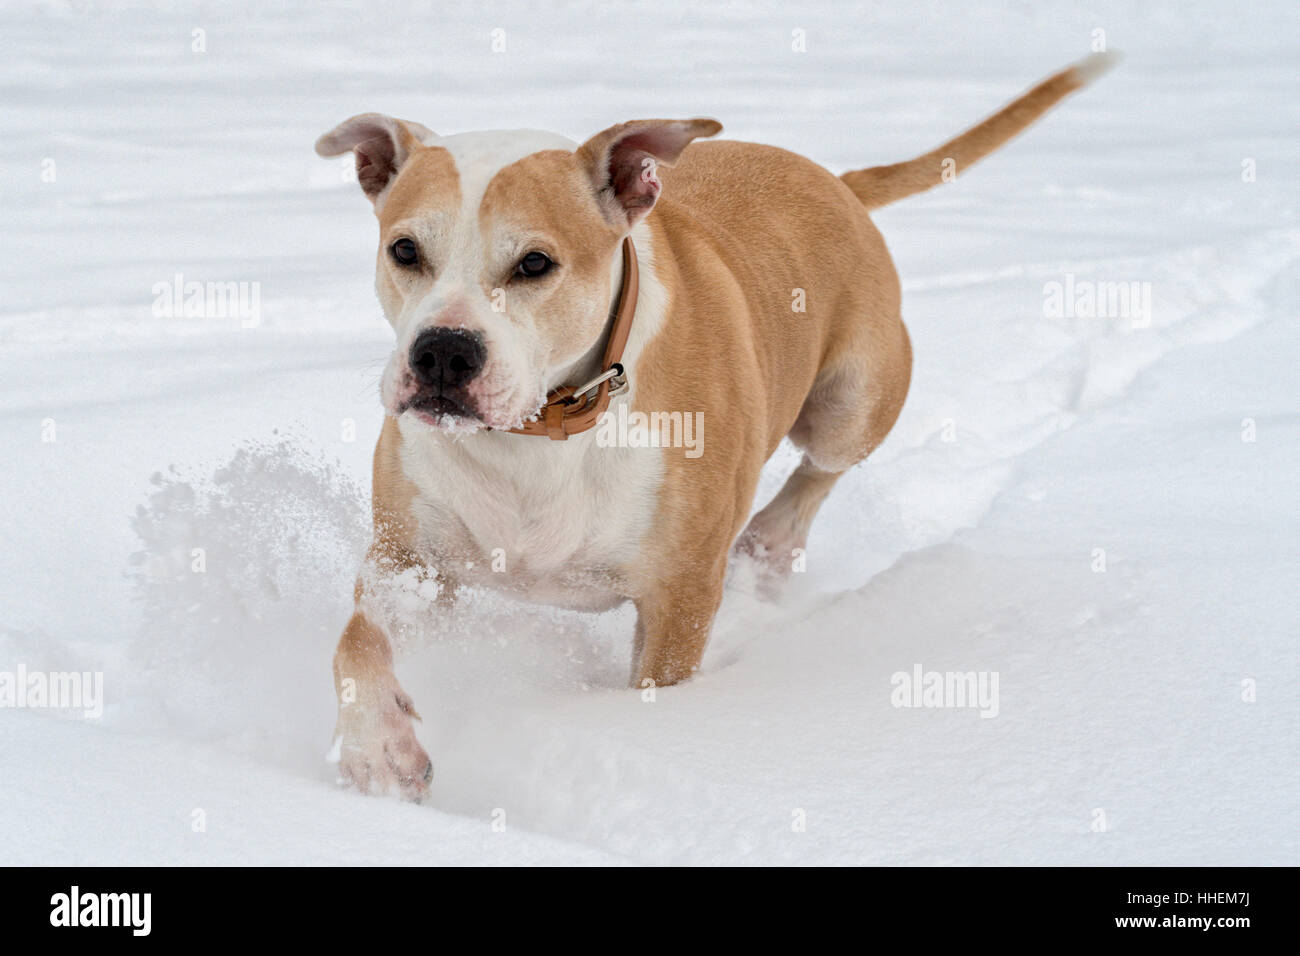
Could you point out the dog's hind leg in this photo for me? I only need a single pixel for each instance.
(852, 406)
(777, 535)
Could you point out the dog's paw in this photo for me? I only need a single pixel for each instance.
(771, 555)
(377, 750)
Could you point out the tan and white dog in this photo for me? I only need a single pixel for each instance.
(501, 257)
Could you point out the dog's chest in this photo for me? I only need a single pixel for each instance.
(553, 521)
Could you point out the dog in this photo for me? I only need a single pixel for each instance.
(537, 287)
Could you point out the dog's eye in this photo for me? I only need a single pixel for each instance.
(404, 252)
(533, 265)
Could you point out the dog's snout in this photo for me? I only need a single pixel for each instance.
(446, 358)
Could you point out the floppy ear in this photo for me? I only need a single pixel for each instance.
(381, 144)
(621, 162)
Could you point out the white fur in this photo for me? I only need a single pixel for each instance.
(1095, 64)
(569, 511)
(480, 155)
(561, 515)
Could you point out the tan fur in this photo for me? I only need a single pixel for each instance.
(736, 350)
(428, 188)
(549, 214)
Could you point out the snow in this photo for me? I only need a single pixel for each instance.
(969, 542)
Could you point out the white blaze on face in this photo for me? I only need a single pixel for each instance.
(513, 382)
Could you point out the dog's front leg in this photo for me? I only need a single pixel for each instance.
(375, 736)
(672, 627)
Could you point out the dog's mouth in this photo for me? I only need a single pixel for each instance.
(448, 411)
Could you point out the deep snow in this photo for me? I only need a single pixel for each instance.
(967, 542)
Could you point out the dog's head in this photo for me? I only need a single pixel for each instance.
(498, 254)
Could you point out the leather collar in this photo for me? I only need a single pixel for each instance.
(569, 410)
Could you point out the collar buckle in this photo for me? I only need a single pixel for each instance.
(616, 377)
(618, 383)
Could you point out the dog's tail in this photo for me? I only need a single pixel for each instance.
(881, 185)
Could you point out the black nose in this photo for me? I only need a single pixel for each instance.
(445, 358)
